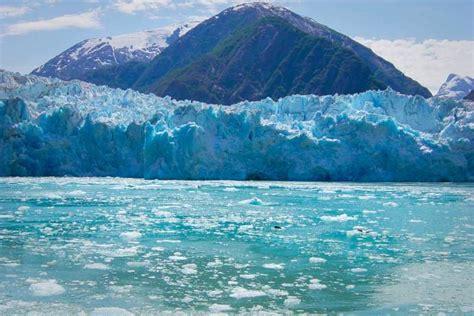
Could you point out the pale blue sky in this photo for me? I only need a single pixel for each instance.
(58, 24)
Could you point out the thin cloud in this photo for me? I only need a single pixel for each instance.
(430, 61)
(133, 6)
(208, 6)
(87, 20)
(10, 12)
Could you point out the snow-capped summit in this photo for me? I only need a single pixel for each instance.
(257, 5)
(456, 87)
(96, 53)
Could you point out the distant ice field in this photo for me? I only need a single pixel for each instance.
(118, 246)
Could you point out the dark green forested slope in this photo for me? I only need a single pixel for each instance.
(269, 58)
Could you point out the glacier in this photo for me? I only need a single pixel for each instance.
(50, 127)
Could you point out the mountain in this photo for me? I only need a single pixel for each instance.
(50, 127)
(456, 87)
(258, 50)
(249, 52)
(97, 53)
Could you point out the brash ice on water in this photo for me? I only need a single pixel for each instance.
(121, 246)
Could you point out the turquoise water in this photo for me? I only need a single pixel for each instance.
(106, 245)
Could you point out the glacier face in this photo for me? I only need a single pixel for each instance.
(53, 127)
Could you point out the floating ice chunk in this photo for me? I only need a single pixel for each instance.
(358, 270)
(244, 228)
(240, 292)
(291, 301)
(248, 276)
(137, 264)
(317, 286)
(367, 212)
(123, 252)
(277, 292)
(161, 213)
(361, 231)
(214, 264)
(177, 257)
(46, 288)
(314, 284)
(76, 193)
(217, 308)
(110, 311)
(121, 289)
(131, 236)
(53, 195)
(171, 241)
(338, 218)
(449, 239)
(317, 260)
(274, 266)
(187, 299)
(189, 268)
(231, 189)
(96, 266)
(252, 201)
(214, 293)
(366, 197)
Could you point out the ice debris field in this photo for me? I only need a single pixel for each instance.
(54, 128)
(115, 246)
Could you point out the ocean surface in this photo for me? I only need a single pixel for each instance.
(118, 246)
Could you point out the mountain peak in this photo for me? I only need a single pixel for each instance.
(259, 10)
(451, 77)
(257, 5)
(456, 87)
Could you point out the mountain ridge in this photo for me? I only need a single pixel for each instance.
(101, 52)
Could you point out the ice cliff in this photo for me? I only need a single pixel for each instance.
(53, 127)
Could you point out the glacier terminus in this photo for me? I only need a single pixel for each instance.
(50, 127)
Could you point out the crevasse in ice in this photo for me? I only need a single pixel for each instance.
(53, 127)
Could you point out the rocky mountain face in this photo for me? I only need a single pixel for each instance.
(470, 96)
